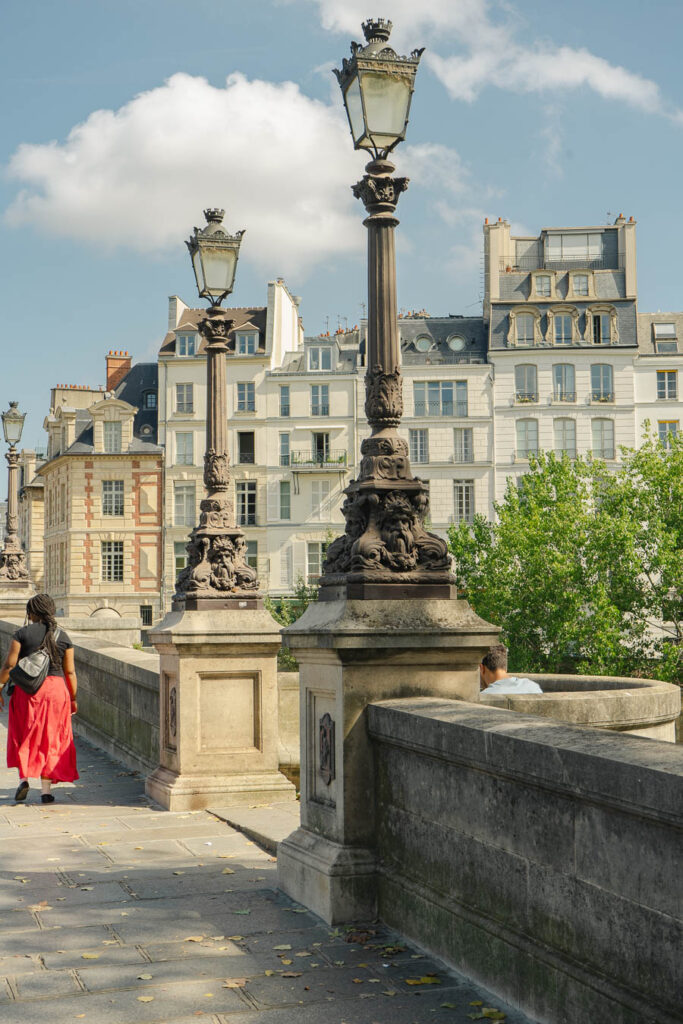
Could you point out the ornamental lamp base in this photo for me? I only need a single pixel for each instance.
(368, 591)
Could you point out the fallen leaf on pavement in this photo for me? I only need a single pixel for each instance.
(291, 974)
(269, 974)
(90, 956)
(144, 977)
(194, 938)
(283, 946)
(303, 954)
(389, 992)
(287, 962)
(235, 983)
(227, 871)
(241, 911)
(427, 979)
(145, 999)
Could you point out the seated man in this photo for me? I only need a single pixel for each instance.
(494, 678)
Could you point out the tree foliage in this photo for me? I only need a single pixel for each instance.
(583, 568)
(287, 610)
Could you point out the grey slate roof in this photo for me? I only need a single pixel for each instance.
(242, 315)
(646, 345)
(140, 379)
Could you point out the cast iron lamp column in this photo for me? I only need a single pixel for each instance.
(217, 574)
(13, 568)
(386, 552)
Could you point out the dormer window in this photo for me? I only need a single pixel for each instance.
(186, 344)
(112, 436)
(665, 338)
(246, 343)
(150, 400)
(320, 357)
(542, 282)
(423, 344)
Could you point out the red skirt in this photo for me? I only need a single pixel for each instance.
(40, 740)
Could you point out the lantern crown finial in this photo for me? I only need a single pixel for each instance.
(214, 215)
(377, 30)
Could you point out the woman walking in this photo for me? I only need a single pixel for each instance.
(40, 739)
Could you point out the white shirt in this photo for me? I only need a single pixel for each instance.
(513, 684)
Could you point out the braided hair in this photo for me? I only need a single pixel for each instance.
(42, 607)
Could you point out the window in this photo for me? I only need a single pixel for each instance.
(574, 246)
(112, 561)
(62, 503)
(246, 503)
(463, 501)
(320, 400)
(602, 438)
(146, 614)
(563, 383)
(463, 444)
(601, 383)
(112, 497)
(565, 437)
(186, 344)
(284, 449)
(525, 383)
(112, 437)
(527, 438)
(542, 282)
(320, 499)
(665, 338)
(179, 555)
(525, 328)
(184, 398)
(184, 448)
(667, 429)
(436, 398)
(602, 329)
(246, 400)
(285, 499)
(418, 441)
(667, 384)
(284, 400)
(424, 344)
(245, 447)
(580, 284)
(251, 554)
(320, 358)
(562, 329)
(246, 343)
(150, 400)
(320, 448)
(184, 504)
(315, 556)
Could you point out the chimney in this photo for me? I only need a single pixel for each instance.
(118, 365)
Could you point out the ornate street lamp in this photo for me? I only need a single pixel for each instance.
(13, 568)
(217, 574)
(386, 552)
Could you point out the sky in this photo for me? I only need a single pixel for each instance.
(122, 120)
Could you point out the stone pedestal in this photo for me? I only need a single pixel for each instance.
(350, 653)
(13, 598)
(218, 710)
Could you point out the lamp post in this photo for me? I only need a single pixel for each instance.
(385, 552)
(217, 574)
(13, 568)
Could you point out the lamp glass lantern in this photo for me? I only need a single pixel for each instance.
(214, 254)
(13, 424)
(377, 85)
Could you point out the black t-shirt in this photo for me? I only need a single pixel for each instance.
(31, 637)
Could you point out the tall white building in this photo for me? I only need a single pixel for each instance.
(560, 360)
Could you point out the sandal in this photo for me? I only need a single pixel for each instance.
(22, 791)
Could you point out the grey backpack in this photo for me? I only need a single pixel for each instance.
(31, 671)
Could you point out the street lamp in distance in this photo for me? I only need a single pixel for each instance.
(217, 574)
(13, 568)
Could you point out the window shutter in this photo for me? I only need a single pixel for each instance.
(286, 567)
(299, 560)
(273, 501)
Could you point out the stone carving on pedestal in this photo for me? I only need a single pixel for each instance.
(326, 749)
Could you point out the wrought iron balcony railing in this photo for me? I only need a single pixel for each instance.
(331, 459)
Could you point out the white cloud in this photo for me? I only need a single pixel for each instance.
(279, 162)
(485, 35)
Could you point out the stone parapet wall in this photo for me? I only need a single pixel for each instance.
(542, 860)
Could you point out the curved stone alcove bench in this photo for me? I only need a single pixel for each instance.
(641, 707)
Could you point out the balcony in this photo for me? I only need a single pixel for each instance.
(246, 459)
(603, 453)
(320, 410)
(526, 396)
(334, 459)
(602, 396)
(525, 264)
(564, 396)
(459, 409)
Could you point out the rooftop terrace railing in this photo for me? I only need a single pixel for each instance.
(524, 264)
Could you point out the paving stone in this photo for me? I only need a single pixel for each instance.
(118, 912)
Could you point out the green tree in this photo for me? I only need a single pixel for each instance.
(583, 564)
(287, 610)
